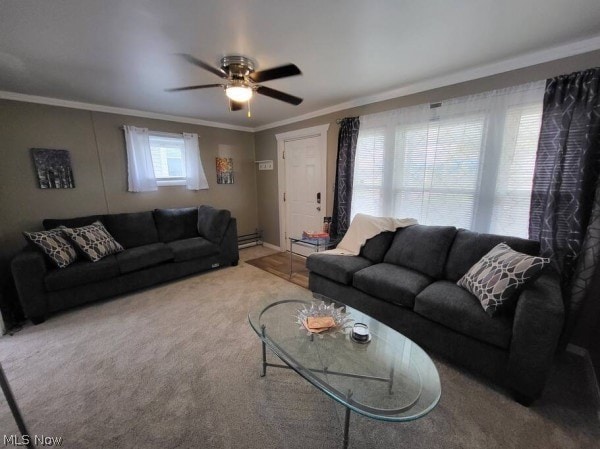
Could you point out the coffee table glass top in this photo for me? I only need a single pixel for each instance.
(390, 378)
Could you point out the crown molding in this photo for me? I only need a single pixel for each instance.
(505, 65)
(5, 95)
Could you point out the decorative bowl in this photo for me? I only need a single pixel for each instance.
(341, 318)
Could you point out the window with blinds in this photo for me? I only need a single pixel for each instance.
(467, 164)
(512, 197)
(368, 172)
(436, 169)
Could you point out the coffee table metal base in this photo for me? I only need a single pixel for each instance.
(389, 380)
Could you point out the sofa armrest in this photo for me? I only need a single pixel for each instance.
(538, 323)
(229, 243)
(28, 270)
(213, 223)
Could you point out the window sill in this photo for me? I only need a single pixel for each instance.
(170, 182)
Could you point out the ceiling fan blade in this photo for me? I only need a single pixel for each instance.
(204, 65)
(201, 86)
(235, 105)
(274, 73)
(278, 95)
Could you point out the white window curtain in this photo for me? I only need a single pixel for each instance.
(140, 171)
(466, 162)
(195, 177)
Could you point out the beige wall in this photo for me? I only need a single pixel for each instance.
(96, 144)
(266, 145)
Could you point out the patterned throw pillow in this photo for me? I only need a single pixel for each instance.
(499, 274)
(54, 244)
(93, 240)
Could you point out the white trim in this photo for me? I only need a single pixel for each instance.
(280, 188)
(314, 131)
(250, 244)
(170, 182)
(165, 134)
(494, 68)
(270, 246)
(4, 95)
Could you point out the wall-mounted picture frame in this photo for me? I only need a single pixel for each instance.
(224, 170)
(53, 168)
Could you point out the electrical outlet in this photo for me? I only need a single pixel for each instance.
(265, 165)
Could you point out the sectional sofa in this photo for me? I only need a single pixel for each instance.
(159, 245)
(408, 280)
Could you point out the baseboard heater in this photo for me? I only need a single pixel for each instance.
(253, 239)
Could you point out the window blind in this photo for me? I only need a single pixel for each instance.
(368, 172)
(515, 173)
(436, 168)
(468, 163)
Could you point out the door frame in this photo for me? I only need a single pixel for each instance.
(314, 131)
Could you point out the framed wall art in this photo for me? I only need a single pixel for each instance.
(53, 168)
(224, 170)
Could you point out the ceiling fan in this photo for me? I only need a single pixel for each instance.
(240, 80)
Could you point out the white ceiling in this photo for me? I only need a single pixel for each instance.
(121, 53)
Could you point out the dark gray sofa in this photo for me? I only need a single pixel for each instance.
(407, 280)
(160, 245)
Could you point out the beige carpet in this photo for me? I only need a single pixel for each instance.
(177, 367)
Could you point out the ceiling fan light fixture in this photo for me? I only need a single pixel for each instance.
(240, 94)
(240, 80)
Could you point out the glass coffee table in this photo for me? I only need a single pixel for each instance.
(389, 378)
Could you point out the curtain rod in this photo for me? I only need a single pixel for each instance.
(159, 133)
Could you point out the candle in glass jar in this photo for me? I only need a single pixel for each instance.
(360, 332)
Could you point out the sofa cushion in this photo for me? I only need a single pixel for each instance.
(469, 247)
(375, 248)
(81, 273)
(54, 245)
(337, 268)
(446, 303)
(94, 241)
(52, 223)
(193, 248)
(176, 224)
(422, 248)
(391, 283)
(132, 230)
(134, 259)
(499, 275)
(212, 223)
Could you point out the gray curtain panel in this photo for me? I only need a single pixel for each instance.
(565, 201)
(342, 201)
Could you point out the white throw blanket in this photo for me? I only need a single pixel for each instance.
(364, 227)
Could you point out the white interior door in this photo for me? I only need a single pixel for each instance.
(303, 187)
(302, 183)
